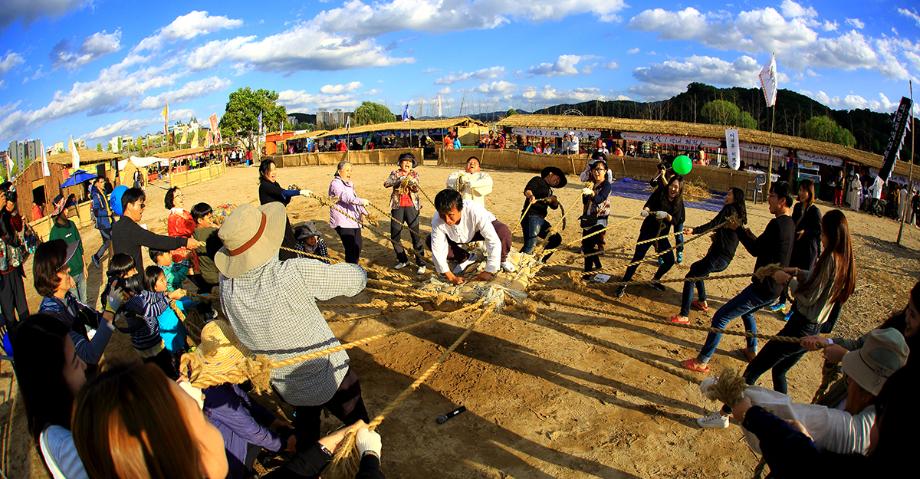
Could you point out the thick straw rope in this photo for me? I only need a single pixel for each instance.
(344, 463)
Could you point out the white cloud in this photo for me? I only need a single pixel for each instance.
(481, 74)
(120, 127)
(540, 97)
(10, 61)
(633, 51)
(301, 101)
(371, 19)
(911, 14)
(93, 47)
(287, 52)
(564, 65)
(29, 10)
(794, 10)
(829, 26)
(499, 88)
(444, 91)
(670, 77)
(188, 91)
(856, 23)
(853, 101)
(186, 27)
(612, 65)
(340, 88)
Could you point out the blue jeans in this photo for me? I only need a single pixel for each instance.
(79, 289)
(533, 227)
(702, 267)
(745, 304)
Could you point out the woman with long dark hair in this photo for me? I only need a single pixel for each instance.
(720, 254)
(664, 208)
(807, 245)
(270, 191)
(830, 283)
(12, 290)
(596, 199)
(49, 375)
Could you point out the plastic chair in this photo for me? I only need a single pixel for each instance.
(757, 187)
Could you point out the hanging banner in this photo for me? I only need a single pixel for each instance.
(763, 149)
(896, 141)
(688, 141)
(733, 148)
(548, 133)
(820, 159)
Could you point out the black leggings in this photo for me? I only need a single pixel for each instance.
(408, 215)
(593, 245)
(781, 356)
(660, 245)
(351, 241)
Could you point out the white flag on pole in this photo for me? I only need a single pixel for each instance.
(74, 155)
(769, 82)
(439, 106)
(45, 170)
(733, 148)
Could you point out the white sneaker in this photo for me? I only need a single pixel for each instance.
(508, 266)
(401, 265)
(461, 267)
(713, 421)
(422, 270)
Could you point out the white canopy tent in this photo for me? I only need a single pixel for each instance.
(142, 162)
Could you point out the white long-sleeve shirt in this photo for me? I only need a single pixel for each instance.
(474, 218)
(474, 187)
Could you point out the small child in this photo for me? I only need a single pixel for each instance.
(175, 272)
(141, 310)
(172, 330)
(310, 241)
(120, 267)
(206, 234)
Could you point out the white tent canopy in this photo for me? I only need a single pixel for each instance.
(142, 162)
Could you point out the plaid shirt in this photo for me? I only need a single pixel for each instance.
(273, 311)
(395, 181)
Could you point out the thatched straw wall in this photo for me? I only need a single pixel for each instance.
(386, 156)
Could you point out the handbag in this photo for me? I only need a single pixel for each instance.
(15, 255)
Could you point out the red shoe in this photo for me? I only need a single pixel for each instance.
(680, 319)
(699, 306)
(694, 365)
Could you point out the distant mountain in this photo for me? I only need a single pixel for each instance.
(870, 128)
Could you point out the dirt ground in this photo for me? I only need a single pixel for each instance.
(540, 401)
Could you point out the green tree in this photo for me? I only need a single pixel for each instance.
(721, 112)
(511, 111)
(370, 113)
(98, 146)
(824, 128)
(241, 115)
(745, 120)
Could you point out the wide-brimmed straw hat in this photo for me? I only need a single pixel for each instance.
(251, 236)
(884, 352)
(219, 357)
(556, 171)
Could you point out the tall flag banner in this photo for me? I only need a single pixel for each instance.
(282, 126)
(347, 124)
(194, 136)
(733, 148)
(9, 167)
(215, 128)
(439, 106)
(896, 141)
(45, 170)
(405, 115)
(768, 81)
(260, 126)
(74, 155)
(209, 141)
(165, 115)
(184, 139)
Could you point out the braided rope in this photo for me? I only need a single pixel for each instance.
(576, 277)
(786, 339)
(344, 463)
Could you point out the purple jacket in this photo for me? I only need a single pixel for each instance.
(348, 201)
(241, 422)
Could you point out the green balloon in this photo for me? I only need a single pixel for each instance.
(682, 165)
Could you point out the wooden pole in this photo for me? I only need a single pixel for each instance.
(910, 170)
(770, 167)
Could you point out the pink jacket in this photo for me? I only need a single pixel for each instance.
(348, 202)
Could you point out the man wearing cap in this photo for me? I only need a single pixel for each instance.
(472, 183)
(272, 307)
(844, 429)
(128, 235)
(65, 229)
(538, 195)
(458, 223)
(404, 208)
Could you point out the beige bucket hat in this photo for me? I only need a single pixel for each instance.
(251, 236)
(883, 353)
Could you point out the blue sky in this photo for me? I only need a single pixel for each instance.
(98, 68)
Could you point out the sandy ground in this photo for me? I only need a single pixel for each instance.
(540, 401)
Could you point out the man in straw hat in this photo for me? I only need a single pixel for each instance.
(272, 308)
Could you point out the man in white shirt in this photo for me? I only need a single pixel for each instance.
(472, 183)
(457, 223)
